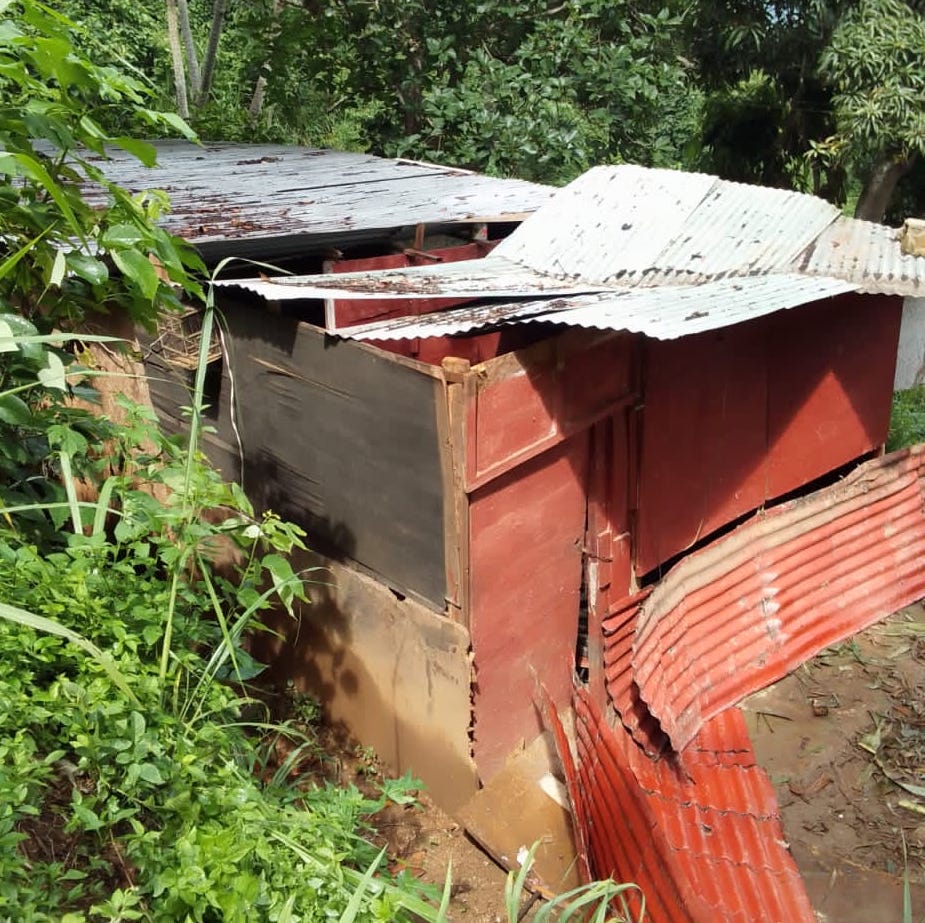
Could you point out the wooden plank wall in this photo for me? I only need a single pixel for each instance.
(528, 418)
(337, 437)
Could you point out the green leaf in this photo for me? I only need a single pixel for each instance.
(87, 267)
(145, 152)
(53, 375)
(150, 773)
(139, 269)
(7, 342)
(14, 411)
(58, 269)
(17, 164)
(120, 236)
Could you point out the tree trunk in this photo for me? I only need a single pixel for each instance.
(192, 59)
(256, 105)
(880, 186)
(176, 57)
(208, 63)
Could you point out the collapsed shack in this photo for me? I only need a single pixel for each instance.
(605, 449)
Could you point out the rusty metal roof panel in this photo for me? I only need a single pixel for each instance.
(867, 254)
(222, 193)
(664, 313)
(743, 612)
(490, 278)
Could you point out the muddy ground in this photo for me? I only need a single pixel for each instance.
(843, 741)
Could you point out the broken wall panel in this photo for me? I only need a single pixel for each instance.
(527, 402)
(526, 531)
(392, 671)
(744, 611)
(702, 839)
(343, 440)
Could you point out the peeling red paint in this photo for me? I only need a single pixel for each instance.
(743, 612)
(700, 833)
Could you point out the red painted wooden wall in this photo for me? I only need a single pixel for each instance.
(738, 416)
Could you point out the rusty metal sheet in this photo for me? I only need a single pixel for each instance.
(702, 838)
(344, 312)
(262, 200)
(744, 611)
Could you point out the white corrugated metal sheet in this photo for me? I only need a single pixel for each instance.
(262, 199)
(869, 255)
(631, 224)
(492, 277)
(664, 313)
(668, 254)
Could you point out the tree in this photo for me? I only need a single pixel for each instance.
(192, 80)
(875, 66)
(59, 248)
(765, 100)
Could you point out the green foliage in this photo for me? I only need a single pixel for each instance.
(765, 101)
(510, 86)
(133, 781)
(594, 902)
(134, 791)
(56, 103)
(907, 419)
(874, 64)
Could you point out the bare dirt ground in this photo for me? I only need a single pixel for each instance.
(843, 740)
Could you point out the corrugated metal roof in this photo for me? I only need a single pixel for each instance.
(251, 198)
(632, 225)
(669, 253)
(494, 278)
(702, 837)
(664, 313)
(869, 255)
(746, 610)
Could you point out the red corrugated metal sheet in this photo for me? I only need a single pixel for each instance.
(619, 630)
(741, 613)
(700, 834)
